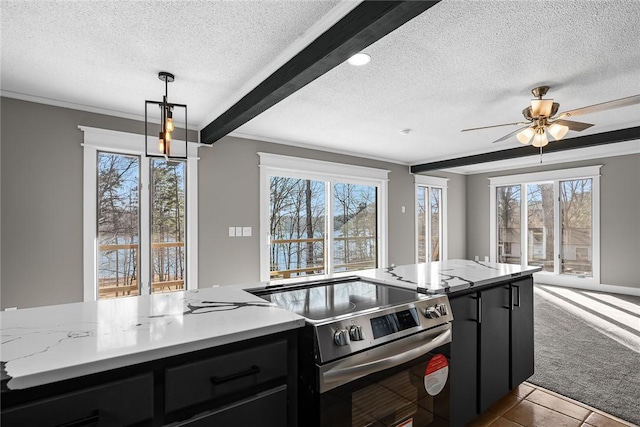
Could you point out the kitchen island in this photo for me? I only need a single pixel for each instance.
(220, 354)
(149, 360)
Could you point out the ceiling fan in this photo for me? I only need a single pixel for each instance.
(542, 119)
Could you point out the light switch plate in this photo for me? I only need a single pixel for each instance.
(238, 231)
(246, 231)
(232, 232)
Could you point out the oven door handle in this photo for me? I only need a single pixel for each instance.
(360, 370)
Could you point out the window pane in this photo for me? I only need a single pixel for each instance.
(508, 213)
(167, 225)
(577, 241)
(540, 225)
(422, 225)
(118, 225)
(436, 225)
(297, 218)
(355, 227)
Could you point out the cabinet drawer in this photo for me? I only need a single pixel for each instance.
(120, 403)
(218, 376)
(268, 409)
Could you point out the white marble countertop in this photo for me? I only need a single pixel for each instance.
(47, 344)
(441, 277)
(447, 276)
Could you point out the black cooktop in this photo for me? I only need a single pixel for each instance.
(322, 301)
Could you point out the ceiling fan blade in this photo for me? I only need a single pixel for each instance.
(577, 126)
(617, 103)
(509, 135)
(496, 126)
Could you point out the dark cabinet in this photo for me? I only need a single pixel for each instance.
(464, 362)
(522, 363)
(220, 376)
(118, 403)
(251, 382)
(267, 409)
(492, 345)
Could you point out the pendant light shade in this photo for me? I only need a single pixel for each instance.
(525, 135)
(540, 139)
(541, 107)
(558, 131)
(167, 125)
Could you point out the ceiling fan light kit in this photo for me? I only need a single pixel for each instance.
(525, 135)
(558, 131)
(541, 118)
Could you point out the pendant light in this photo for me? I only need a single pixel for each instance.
(167, 125)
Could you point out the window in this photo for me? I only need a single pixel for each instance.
(557, 227)
(139, 219)
(430, 218)
(320, 217)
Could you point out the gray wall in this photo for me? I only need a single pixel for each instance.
(619, 215)
(229, 184)
(41, 207)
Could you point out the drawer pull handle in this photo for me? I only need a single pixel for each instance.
(253, 370)
(90, 420)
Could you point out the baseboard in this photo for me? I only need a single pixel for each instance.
(612, 289)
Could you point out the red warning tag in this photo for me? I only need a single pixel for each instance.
(436, 374)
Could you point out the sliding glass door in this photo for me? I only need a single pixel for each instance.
(553, 226)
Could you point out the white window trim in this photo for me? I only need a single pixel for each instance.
(432, 182)
(555, 176)
(95, 140)
(296, 167)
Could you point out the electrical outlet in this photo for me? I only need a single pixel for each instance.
(477, 258)
(486, 259)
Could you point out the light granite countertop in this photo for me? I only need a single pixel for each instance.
(48, 344)
(446, 277)
(441, 277)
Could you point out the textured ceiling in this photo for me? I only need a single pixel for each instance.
(460, 64)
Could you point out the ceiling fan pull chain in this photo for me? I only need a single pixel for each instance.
(540, 155)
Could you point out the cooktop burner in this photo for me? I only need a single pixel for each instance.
(328, 300)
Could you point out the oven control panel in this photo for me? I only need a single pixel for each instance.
(338, 338)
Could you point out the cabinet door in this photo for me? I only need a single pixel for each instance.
(522, 364)
(464, 360)
(268, 409)
(119, 403)
(494, 345)
(238, 372)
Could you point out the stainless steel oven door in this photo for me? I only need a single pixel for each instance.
(401, 384)
(343, 371)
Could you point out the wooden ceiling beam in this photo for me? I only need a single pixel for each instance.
(364, 25)
(611, 137)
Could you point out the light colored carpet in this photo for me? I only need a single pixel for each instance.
(588, 348)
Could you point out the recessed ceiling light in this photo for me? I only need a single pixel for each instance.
(359, 59)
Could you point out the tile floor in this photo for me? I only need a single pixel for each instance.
(530, 405)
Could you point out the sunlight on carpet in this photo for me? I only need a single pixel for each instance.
(614, 317)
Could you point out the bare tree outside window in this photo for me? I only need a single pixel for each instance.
(429, 223)
(436, 223)
(118, 225)
(296, 226)
(540, 224)
(355, 227)
(508, 218)
(167, 225)
(577, 218)
(297, 215)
